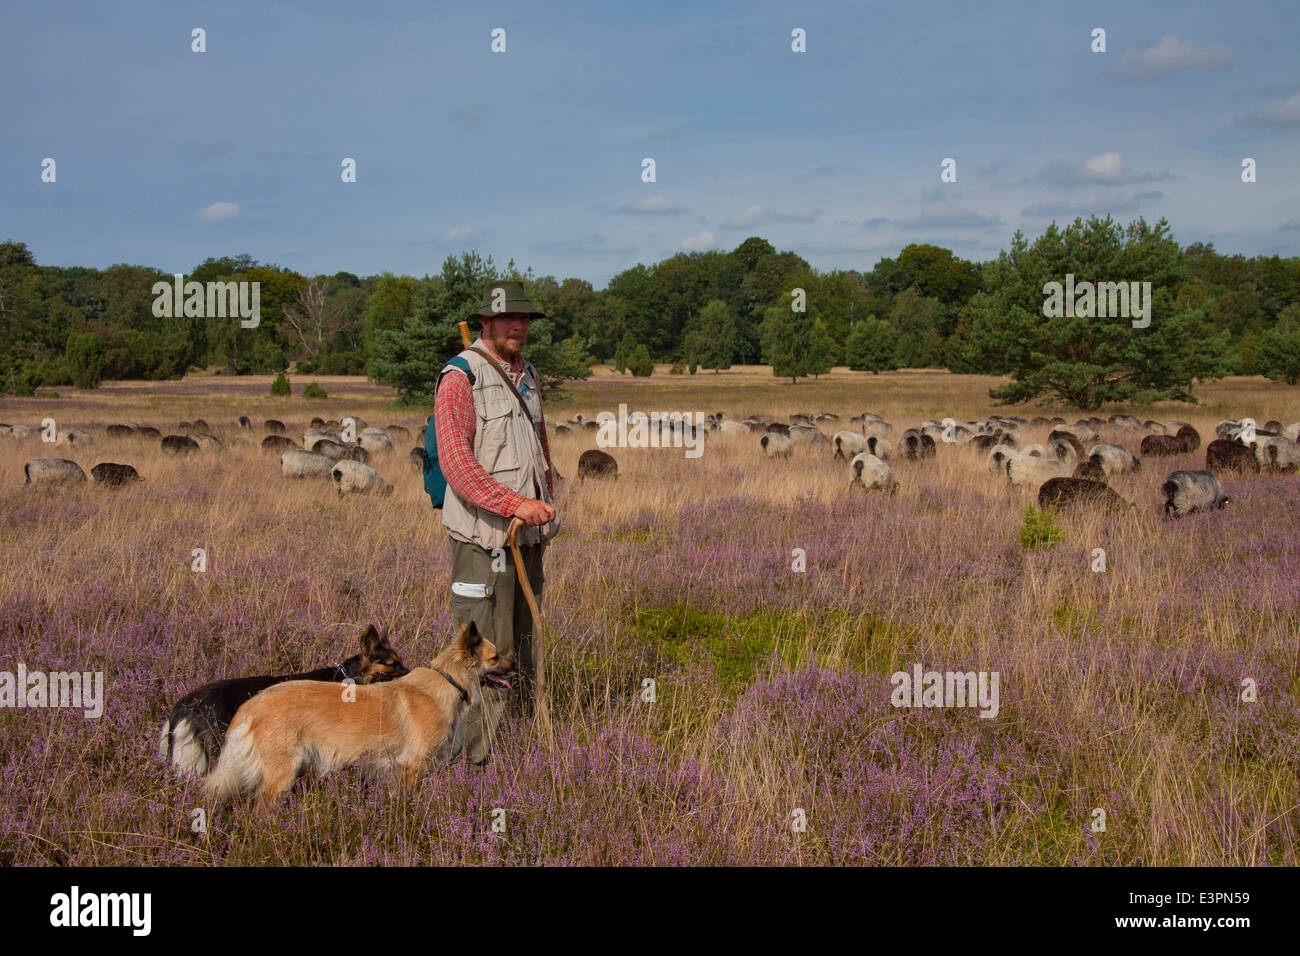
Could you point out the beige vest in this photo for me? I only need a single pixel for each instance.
(510, 451)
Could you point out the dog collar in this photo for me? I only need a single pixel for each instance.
(464, 694)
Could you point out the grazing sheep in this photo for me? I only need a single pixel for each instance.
(355, 453)
(1065, 435)
(179, 445)
(312, 435)
(800, 417)
(732, 429)
(1114, 459)
(1034, 450)
(1065, 449)
(1067, 491)
(186, 426)
(1081, 431)
(297, 463)
(869, 473)
(148, 431)
(807, 435)
(848, 444)
(354, 478)
(245, 421)
(53, 471)
(397, 431)
(1125, 421)
(200, 425)
(1188, 491)
(1025, 472)
(120, 431)
(328, 446)
(915, 445)
(1292, 432)
(278, 443)
(24, 431)
(75, 438)
(274, 427)
(114, 475)
(1224, 454)
(596, 464)
(776, 445)
(1189, 436)
(419, 458)
(358, 423)
(208, 442)
(879, 446)
(998, 458)
(1089, 470)
(316, 422)
(1273, 425)
(1161, 446)
(1278, 454)
(777, 428)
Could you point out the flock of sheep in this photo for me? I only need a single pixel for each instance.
(1071, 467)
(339, 450)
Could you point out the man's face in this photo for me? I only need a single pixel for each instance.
(507, 333)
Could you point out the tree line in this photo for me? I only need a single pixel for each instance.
(1211, 315)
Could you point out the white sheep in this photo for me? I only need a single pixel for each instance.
(352, 477)
(869, 473)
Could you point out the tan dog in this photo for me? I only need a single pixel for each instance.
(301, 725)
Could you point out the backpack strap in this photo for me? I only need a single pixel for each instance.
(457, 361)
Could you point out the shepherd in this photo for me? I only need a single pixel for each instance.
(493, 449)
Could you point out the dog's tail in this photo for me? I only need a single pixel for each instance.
(180, 744)
(238, 769)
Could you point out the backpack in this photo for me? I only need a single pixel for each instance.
(435, 483)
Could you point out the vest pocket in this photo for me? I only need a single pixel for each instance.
(496, 451)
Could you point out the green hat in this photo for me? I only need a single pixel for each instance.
(515, 301)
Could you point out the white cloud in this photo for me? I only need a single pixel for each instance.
(708, 239)
(653, 205)
(219, 211)
(755, 215)
(458, 234)
(1170, 55)
(1108, 167)
(1278, 113)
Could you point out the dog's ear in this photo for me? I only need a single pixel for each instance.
(467, 636)
(370, 643)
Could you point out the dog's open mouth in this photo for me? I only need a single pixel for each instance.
(497, 680)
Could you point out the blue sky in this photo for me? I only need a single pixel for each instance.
(165, 156)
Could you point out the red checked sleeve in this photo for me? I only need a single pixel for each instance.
(453, 416)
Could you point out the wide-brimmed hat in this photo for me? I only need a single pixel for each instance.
(515, 301)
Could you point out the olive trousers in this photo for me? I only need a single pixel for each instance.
(485, 589)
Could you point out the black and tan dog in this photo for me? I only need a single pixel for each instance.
(301, 725)
(192, 735)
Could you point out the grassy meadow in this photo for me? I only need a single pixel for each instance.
(1120, 691)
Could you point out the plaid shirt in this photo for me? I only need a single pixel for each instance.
(456, 423)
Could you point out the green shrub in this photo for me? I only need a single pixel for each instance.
(281, 385)
(314, 391)
(1038, 531)
(639, 363)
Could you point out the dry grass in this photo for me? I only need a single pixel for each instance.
(1118, 690)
